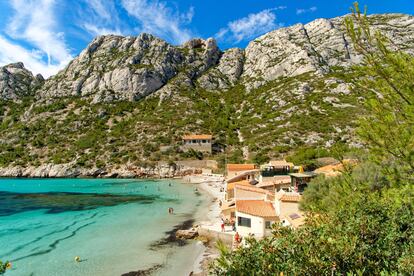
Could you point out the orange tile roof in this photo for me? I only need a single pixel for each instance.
(330, 170)
(198, 137)
(289, 197)
(231, 186)
(253, 189)
(240, 167)
(258, 208)
(335, 169)
(276, 180)
(242, 175)
(279, 163)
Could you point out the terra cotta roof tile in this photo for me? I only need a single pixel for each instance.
(258, 208)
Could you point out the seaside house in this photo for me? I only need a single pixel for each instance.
(294, 220)
(287, 208)
(245, 178)
(276, 167)
(299, 181)
(335, 169)
(255, 217)
(274, 176)
(330, 170)
(276, 183)
(252, 193)
(242, 190)
(233, 170)
(228, 210)
(287, 203)
(198, 142)
(230, 187)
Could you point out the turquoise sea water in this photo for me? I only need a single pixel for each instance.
(115, 226)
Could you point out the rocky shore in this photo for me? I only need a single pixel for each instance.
(71, 170)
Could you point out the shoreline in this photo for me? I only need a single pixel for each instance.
(71, 170)
(211, 186)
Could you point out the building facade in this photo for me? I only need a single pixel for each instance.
(198, 142)
(255, 217)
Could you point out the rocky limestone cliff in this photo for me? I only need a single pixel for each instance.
(72, 170)
(16, 82)
(316, 47)
(130, 68)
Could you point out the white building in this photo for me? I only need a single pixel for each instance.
(255, 217)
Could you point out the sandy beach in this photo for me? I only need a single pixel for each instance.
(213, 187)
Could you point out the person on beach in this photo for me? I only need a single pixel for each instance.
(222, 227)
(237, 238)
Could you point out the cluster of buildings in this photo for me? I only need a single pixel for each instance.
(257, 197)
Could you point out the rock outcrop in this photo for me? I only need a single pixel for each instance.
(316, 47)
(187, 234)
(129, 68)
(115, 68)
(16, 81)
(72, 170)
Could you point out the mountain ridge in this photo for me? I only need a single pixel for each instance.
(124, 97)
(147, 63)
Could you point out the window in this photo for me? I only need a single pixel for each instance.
(246, 222)
(204, 141)
(268, 225)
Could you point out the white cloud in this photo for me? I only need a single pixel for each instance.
(34, 22)
(158, 19)
(302, 11)
(250, 26)
(96, 30)
(105, 9)
(11, 52)
(99, 17)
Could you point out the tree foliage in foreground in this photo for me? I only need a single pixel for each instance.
(361, 223)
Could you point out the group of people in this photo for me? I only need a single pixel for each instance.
(232, 223)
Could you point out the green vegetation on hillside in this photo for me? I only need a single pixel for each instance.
(269, 121)
(361, 223)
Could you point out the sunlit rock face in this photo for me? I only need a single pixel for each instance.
(17, 82)
(114, 68)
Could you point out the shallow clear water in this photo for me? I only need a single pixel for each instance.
(115, 226)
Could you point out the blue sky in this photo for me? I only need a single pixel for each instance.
(47, 34)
